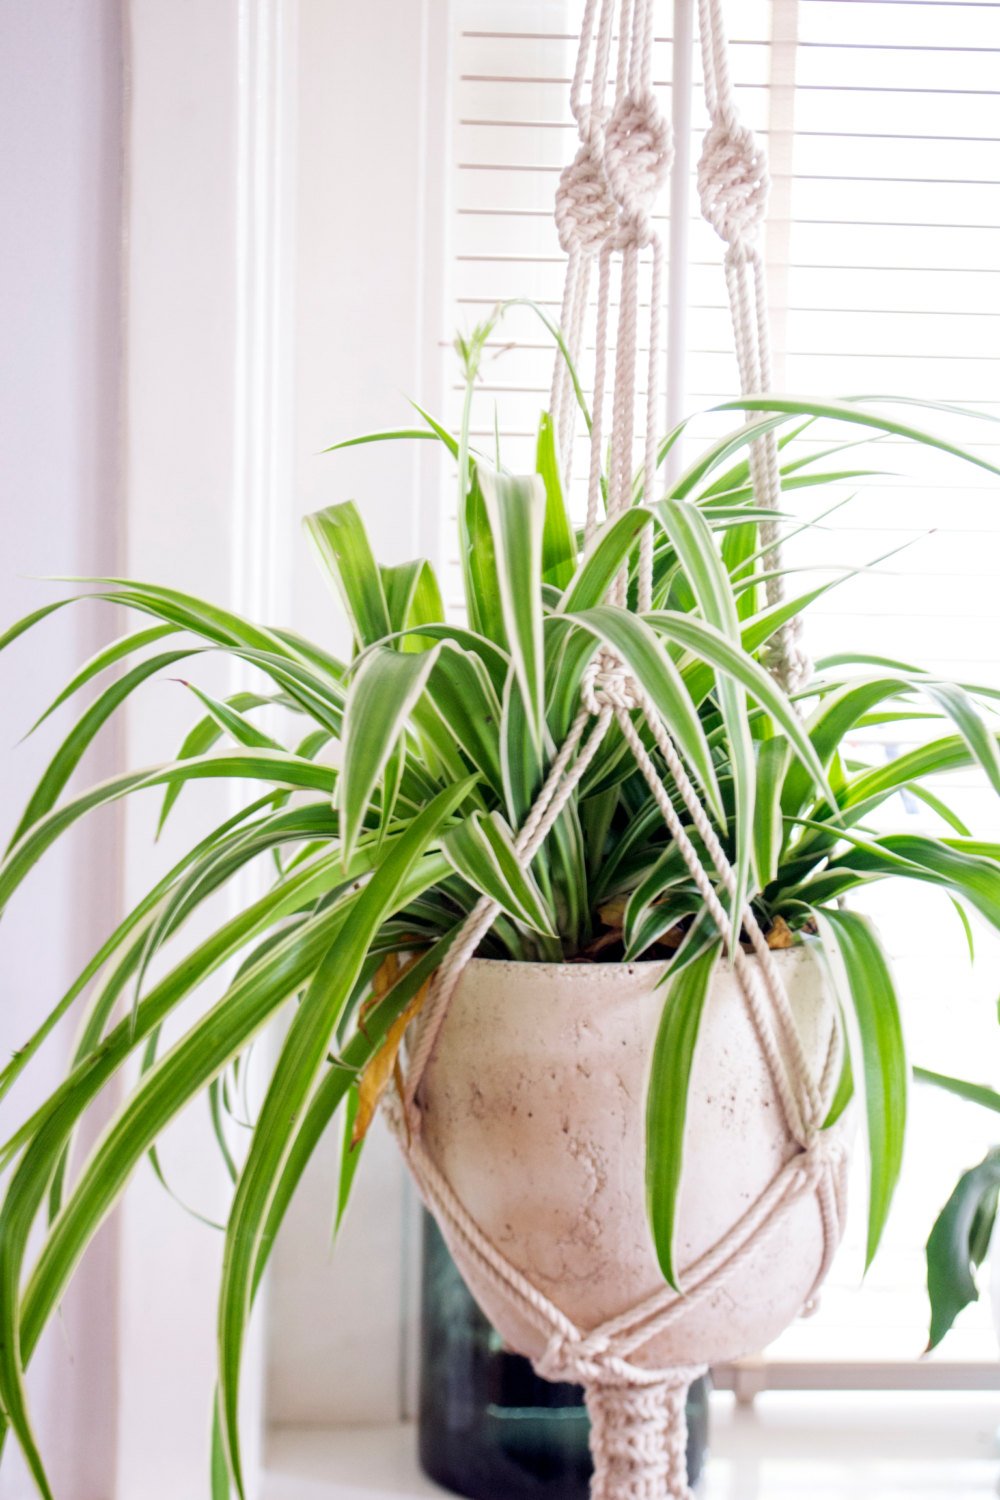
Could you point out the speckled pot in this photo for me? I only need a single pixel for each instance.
(533, 1107)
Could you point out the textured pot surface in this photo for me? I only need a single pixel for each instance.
(534, 1109)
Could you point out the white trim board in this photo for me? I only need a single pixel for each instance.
(208, 172)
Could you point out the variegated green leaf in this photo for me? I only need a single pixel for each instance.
(342, 545)
(481, 849)
(383, 693)
(859, 959)
(666, 1103)
(515, 509)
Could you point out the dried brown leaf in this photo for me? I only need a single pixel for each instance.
(612, 913)
(385, 1062)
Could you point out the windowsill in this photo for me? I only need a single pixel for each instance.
(828, 1445)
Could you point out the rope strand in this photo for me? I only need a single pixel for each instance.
(733, 186)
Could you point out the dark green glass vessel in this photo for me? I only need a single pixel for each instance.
(490, 1428)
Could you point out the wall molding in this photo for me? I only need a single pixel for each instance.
(264, 256)
(210, 170)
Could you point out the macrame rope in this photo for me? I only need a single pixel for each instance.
(733, 186)
(640, 1430)
(604, 206)
(604, 213)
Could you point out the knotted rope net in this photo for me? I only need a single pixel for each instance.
(604, 212)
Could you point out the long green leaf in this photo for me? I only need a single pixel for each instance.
(294, 1076)
(136, 917)
(232, 721)
(28, 622)
(461, 690)
(94, 1065)
(849, 937)
(856, 415)
(477, 554)
(773, 756)
(380, 701)
(391, 435)
(975, 1093)
(481, 849)
(335, 1083)
(692, 541)
(342, 545)
(632, 638)
(515, 509)
(603, 560)
(190, 1066)
(701, 639)
(107, 657)
(974, 876)
(558, 539)
(74, 746)
(258, 765)
(255, 994)
(667, 1100)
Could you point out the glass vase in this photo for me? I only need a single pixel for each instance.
(490, 1428)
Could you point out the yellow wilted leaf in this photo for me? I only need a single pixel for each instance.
(780, 934)
(385, 1062)
(384, 978)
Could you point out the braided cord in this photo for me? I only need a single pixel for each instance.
(733, 187)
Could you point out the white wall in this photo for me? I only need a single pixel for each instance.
(281, 287)
(60, 187)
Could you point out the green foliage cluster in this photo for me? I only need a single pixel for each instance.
(444, 733)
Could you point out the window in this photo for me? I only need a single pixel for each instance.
(882, 119)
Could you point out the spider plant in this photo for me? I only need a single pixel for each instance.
(443, 733)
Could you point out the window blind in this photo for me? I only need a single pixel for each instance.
(882, 119)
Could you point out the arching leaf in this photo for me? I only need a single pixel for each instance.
(857, 955)
(684, 998)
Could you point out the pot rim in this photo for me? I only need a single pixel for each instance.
(585, 970)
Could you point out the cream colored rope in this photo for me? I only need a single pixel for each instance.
(604, 212)
(604, 206)
(733, 186)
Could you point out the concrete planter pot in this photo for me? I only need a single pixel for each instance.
(533, 1109)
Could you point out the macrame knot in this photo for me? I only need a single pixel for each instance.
(576, 1360)
(638, 150)
(821, 1153)
(607, 682)
(786, 660)
(590, 1359)
(586, 214)
(733, 181)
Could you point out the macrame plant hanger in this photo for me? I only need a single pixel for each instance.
(604, 213)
